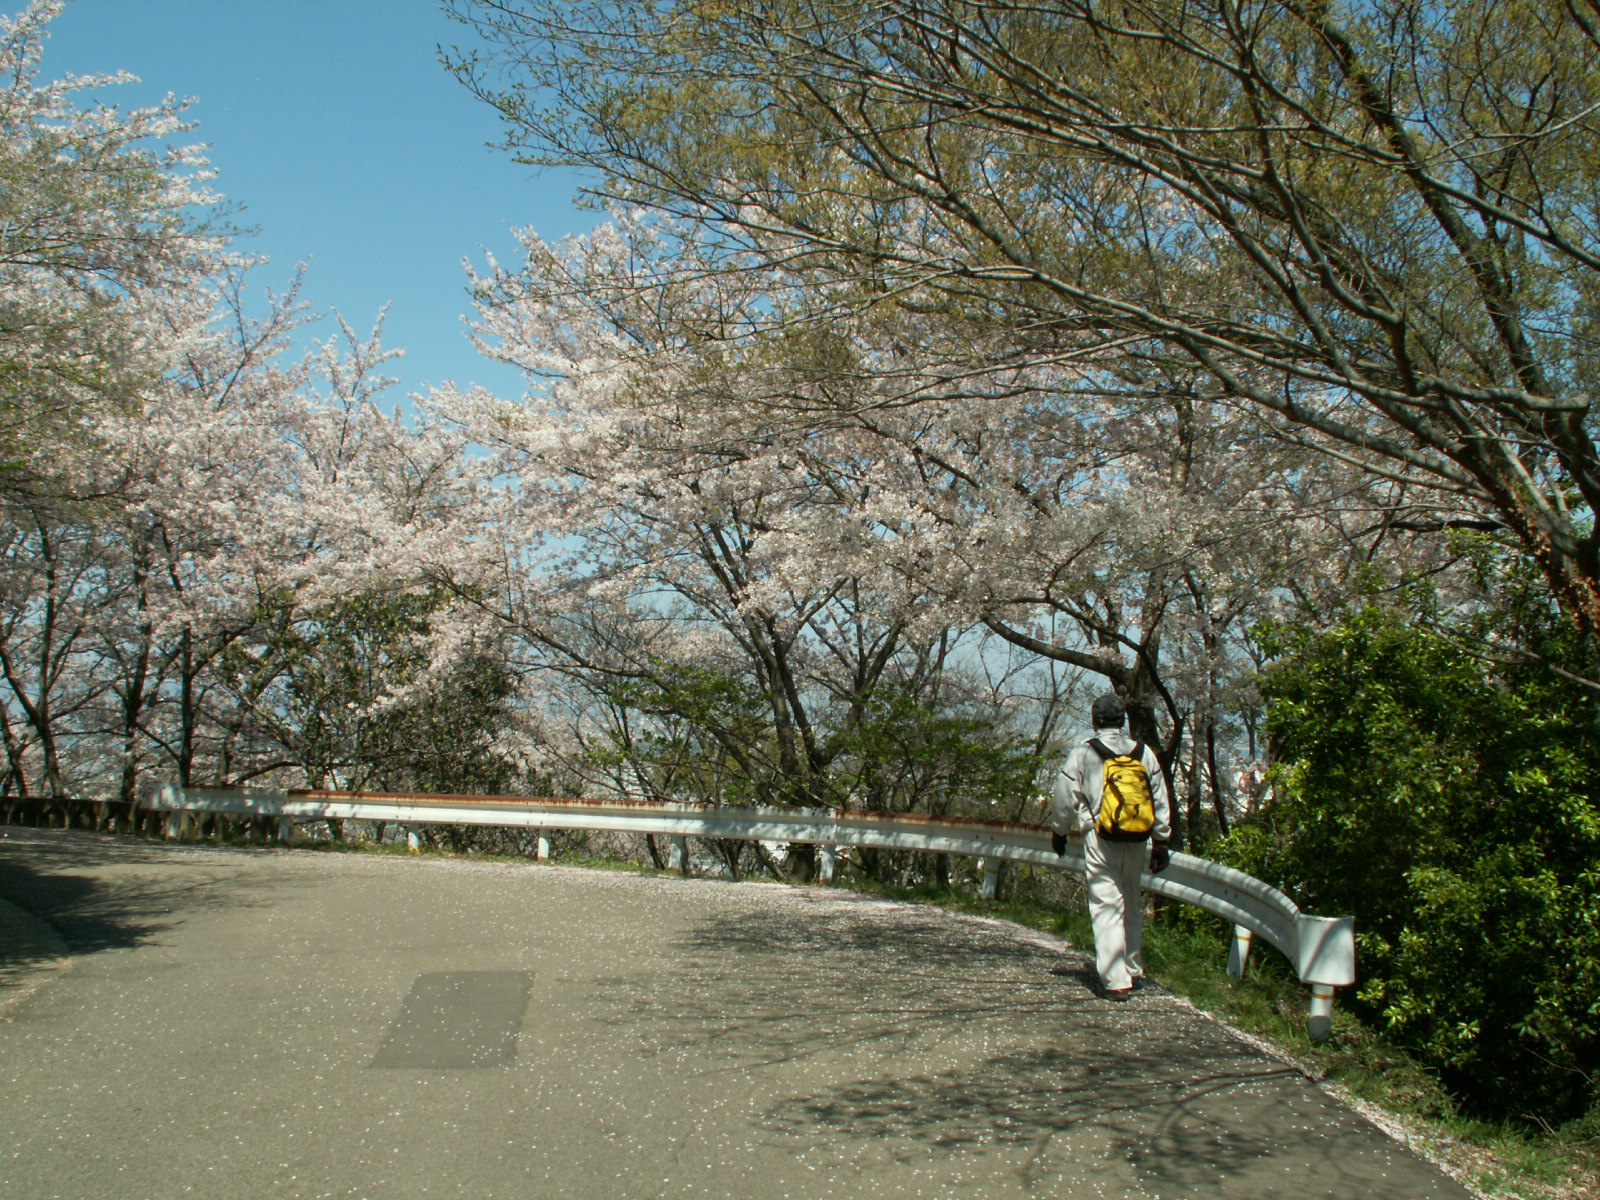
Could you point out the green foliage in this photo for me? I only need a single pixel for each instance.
(712, 737)
(1447, 800)
(357, 710)
(708, 737)
(911, 753)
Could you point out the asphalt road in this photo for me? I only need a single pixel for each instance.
(188, 1021)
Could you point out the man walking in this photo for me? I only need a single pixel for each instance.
(1125, 823)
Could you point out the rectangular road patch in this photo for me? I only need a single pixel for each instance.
(456, 1020)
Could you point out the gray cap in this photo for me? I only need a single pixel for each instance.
(1108, 710)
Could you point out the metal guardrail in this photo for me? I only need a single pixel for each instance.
(1322, 949)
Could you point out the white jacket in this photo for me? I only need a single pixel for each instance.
(1076, 799)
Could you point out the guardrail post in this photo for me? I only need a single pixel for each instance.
(285, 830)
(1321, 1025)
(990, 888)
(678, 857)
(828, 858)
(542, 847)
(174, 828)
(1239, 952)
(413, 839)
(1326, 958)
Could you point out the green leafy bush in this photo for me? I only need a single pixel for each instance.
(1446, 798)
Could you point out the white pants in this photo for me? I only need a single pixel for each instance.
(1112, 870)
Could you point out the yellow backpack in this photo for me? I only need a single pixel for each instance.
(1127, 810)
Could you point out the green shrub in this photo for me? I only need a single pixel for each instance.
(1447, 801)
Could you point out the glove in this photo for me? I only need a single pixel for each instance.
(1159, 857)
(1058, 843)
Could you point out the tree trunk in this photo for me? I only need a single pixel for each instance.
(133, 699)
(654, 850)
(186, 709)
(1216, 778)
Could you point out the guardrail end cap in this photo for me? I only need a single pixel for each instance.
(1325, 950)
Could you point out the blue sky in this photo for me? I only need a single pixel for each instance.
(346, 145)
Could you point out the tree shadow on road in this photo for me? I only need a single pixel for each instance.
(765, 987)
(1159, 1097)
(53, 876)
(1190, 1120)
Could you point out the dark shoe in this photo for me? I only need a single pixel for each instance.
(1118, 993)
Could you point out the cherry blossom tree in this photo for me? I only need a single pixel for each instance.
(104, 226)
(195, 512)
(678, 556)
(1375, 230)
(100, 207)
(1122, 520)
